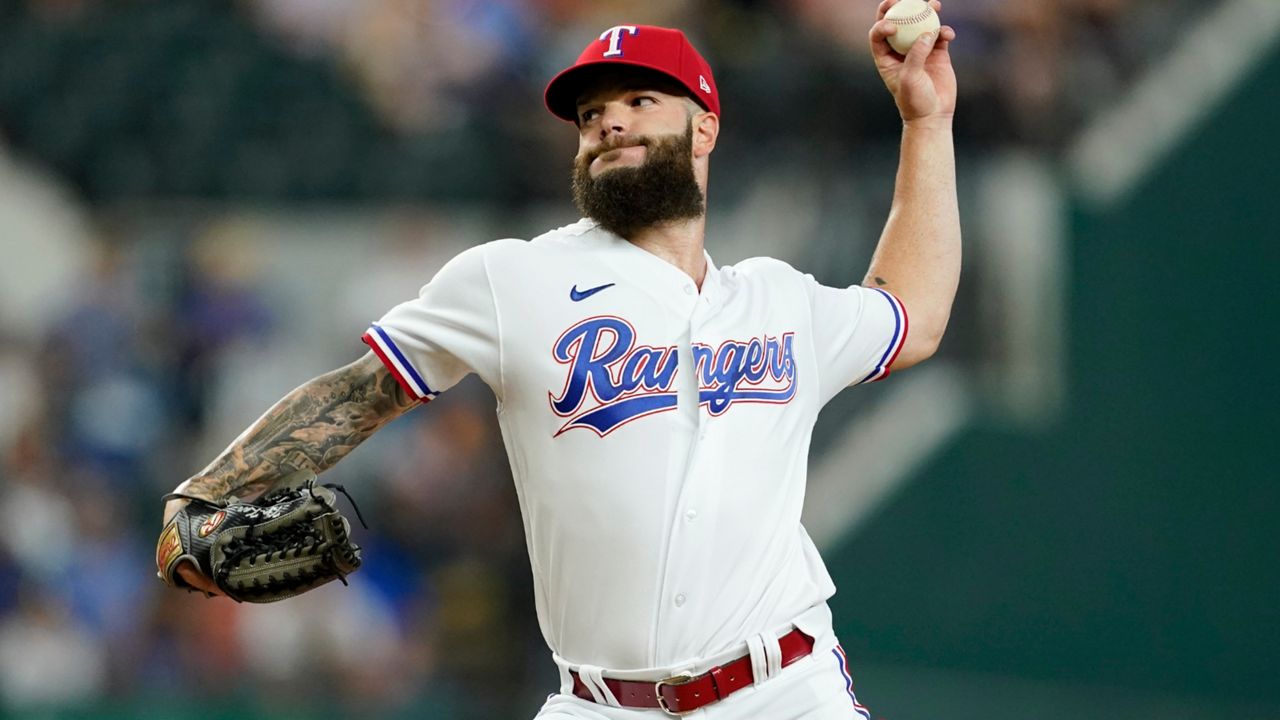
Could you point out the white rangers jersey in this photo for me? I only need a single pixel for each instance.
(658, 435)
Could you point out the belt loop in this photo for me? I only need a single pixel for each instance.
(593, 677)
(773, 654)
(766, 656)
(759, 664)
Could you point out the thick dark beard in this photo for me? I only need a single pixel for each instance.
(628, 199)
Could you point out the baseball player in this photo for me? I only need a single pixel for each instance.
(656, 408)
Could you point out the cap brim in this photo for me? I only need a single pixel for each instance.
(561, 96)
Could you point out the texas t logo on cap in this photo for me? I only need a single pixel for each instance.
(614, 35)
(664, 50)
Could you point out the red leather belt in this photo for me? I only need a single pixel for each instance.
(685, 693)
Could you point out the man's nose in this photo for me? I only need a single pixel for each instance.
(613, 120)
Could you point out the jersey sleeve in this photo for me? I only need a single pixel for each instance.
(858, 333)
(449, 331)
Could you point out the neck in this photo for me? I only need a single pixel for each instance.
(679, 243)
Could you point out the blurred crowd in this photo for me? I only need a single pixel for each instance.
(119, 399)
(411, 99)
(118, 390)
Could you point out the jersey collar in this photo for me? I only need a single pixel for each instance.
(711, 281)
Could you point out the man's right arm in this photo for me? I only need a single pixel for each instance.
(918, 256)
(312, 428)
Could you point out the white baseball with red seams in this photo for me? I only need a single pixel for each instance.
(658, 434)
(913, 18)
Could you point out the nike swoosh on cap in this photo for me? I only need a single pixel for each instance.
(577, 295)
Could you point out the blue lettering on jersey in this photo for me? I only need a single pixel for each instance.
(612, 380)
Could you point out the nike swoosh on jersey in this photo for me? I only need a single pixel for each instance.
(577, 295)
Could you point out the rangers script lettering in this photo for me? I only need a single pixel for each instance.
(630, 381)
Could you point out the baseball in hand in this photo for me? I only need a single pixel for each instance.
(913, 18)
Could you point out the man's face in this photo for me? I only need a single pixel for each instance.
(634, 167)
(615, 112)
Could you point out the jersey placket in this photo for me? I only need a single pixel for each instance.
(682, 305)
(684, 600)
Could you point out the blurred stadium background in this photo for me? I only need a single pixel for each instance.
(202, 204)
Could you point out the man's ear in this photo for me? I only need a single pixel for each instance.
(706, 128)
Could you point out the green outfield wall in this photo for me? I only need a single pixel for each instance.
(1134, 542)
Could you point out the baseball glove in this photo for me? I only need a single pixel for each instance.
(288, 541)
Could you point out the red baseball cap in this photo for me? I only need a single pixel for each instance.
(662, 49)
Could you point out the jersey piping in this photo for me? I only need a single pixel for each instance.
(385, 348)
(883, 367)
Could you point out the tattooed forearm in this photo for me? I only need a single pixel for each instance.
(312, 428)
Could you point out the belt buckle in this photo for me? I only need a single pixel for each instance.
(675, 680)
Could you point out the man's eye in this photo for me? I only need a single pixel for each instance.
(589, 115)
(643, 100)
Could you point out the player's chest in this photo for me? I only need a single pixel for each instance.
(602, 350)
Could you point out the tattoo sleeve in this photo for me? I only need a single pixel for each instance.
(313, 427)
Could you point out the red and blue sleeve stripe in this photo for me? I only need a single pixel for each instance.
(896, 342)
(385, 348)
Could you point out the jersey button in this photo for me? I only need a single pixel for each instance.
(680, 600)
(691, 515)
(688, 290)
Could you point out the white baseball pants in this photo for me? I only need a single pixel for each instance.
(817, 687)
